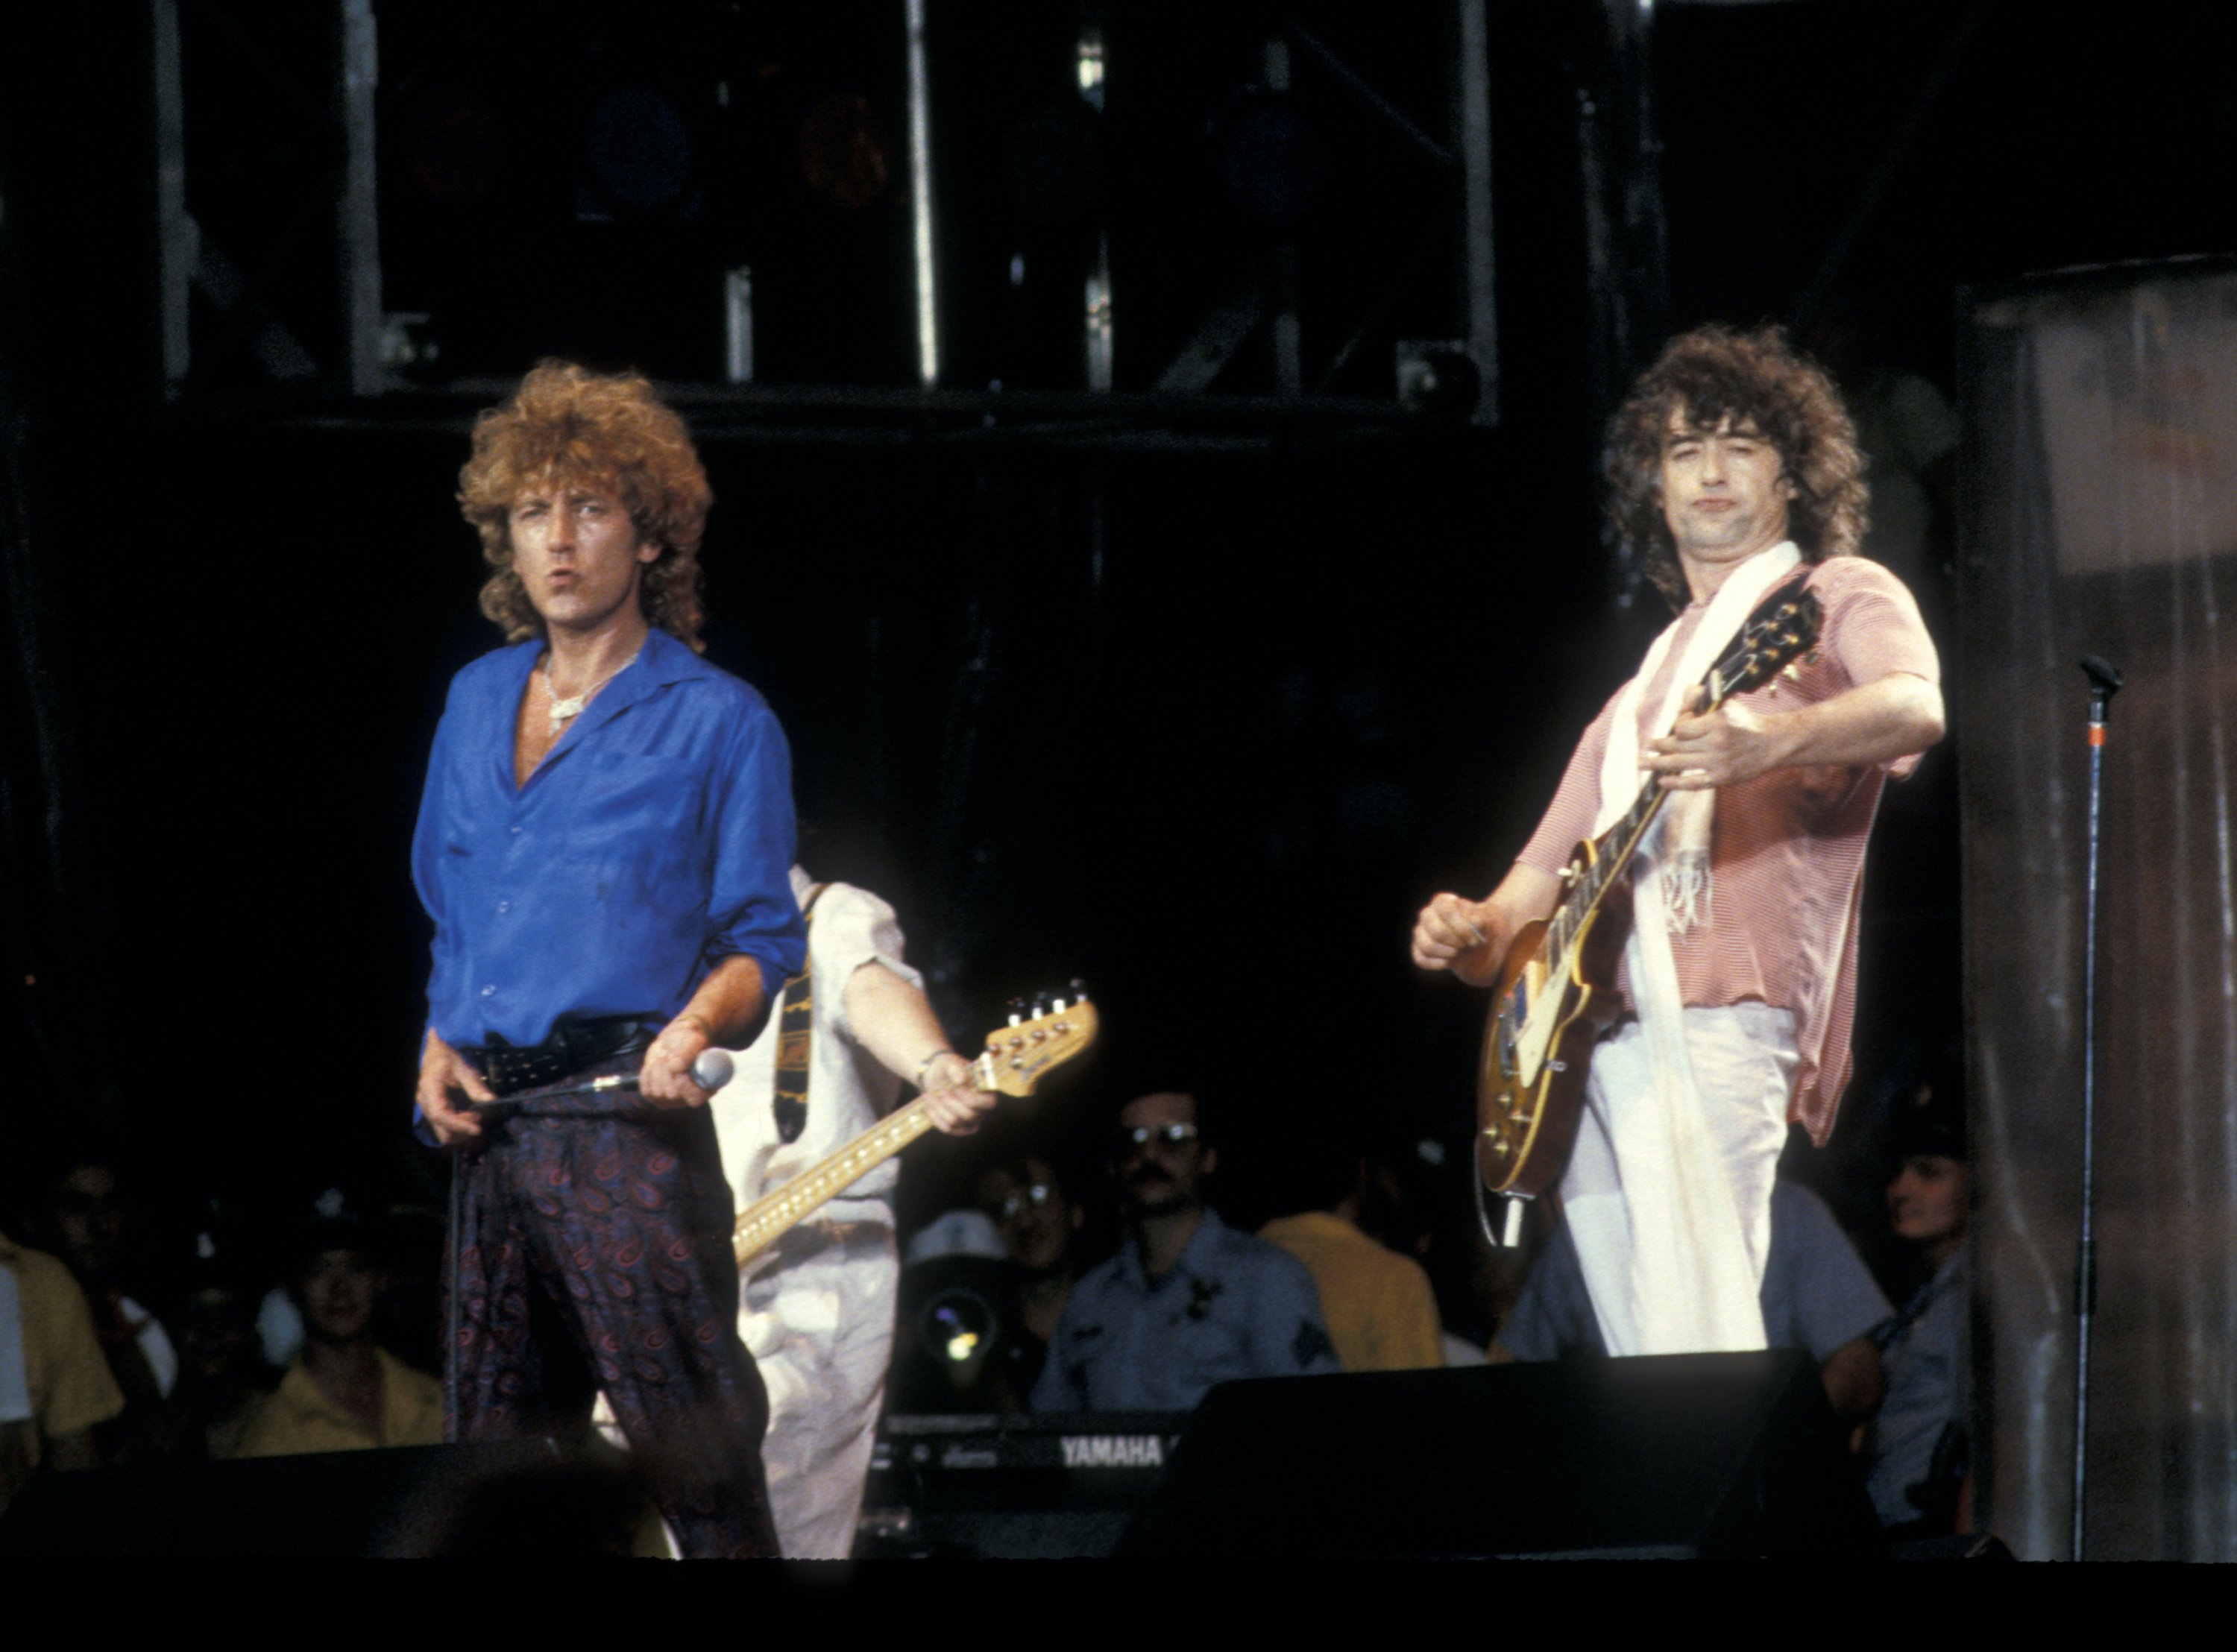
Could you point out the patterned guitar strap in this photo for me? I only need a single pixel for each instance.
(796, 1021)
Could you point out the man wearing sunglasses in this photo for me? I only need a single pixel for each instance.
(1188, 1301)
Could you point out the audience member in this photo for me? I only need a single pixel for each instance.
(343, 1391)
(88, 1219)
(1380, 1313)
(1187, 1301)
(1040, 1225)
(55, 1387)
(1817, 1296)
(1919, 1465)
(223, 1380)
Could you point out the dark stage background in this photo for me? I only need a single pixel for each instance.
(1196, 692)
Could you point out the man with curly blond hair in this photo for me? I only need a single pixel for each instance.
(605, 845)
(1733, 472)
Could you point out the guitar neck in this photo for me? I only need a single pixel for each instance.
(767, 1220)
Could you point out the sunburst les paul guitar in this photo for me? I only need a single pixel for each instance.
(1556, 991)
(1017, 1057)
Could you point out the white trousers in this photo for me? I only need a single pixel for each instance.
(819, 1324)
(1671, 1224)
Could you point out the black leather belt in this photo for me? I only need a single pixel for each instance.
(573, 1045)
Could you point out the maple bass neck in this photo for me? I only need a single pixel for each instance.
(1015, 1060)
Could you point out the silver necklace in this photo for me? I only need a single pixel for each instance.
(561, 710)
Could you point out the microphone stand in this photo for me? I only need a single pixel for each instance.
(455, 1314)
(2104, 680)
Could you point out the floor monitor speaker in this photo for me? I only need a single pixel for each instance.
(515, 1498)
(1689, 1455)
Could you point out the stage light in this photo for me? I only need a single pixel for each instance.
(453, 143)
(1269, 158)
(1438, 377)
(846, 157)
(957, 1327)
(640, 149)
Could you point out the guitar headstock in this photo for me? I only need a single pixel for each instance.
(1056, 1027)
(1781, 630)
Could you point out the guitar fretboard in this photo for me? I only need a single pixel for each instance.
(761, 1223)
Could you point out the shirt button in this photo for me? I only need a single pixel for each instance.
(515, 832)
(486, 991)
(504, 905)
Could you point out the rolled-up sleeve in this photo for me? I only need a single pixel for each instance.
(750, 906)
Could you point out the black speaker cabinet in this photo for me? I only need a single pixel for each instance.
(1691, 1455)
(517, 1499)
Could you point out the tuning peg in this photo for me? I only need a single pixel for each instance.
(1078, 991)
(1017, 1011)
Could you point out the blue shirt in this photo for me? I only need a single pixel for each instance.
(654, 841)
(1817, 1293)
(1926, 1350)
(1231, 1306)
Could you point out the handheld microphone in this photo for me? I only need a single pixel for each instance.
(711, 1071)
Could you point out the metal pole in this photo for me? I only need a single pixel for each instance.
(357, 212)
(1282, 263)
(1475, 204)
(919, 113)
(175, 230)
(2103, 680)
(454, 1311)
(1098, 358)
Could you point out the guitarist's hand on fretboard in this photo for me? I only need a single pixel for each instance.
(952, 1098)
(1721, 748)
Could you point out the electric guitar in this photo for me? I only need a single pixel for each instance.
(1556, 990)
(1016, 1058)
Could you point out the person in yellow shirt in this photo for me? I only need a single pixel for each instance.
(54, 1383)
(344, 1391)
(1381, 1313)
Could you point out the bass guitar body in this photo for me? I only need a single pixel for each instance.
(1551, 1004)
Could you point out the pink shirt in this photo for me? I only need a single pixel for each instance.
(1787, 854)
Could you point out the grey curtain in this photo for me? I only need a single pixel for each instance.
(2101, 517)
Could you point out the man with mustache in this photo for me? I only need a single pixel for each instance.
(1188, 1301)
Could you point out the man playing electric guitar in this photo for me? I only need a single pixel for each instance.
(818, 1314)
(1731, 466)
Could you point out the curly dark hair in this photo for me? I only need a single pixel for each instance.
(609, 432)
(1758, 380)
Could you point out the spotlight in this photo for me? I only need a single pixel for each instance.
(640, 149)
(1438, 377)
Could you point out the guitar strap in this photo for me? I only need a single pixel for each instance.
(795, 1027)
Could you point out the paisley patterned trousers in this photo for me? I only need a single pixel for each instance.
(594, 1253)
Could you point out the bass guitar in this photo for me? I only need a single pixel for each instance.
(1017, 1057)
(1556, 995)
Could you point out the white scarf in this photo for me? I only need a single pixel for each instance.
(1671, 892)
